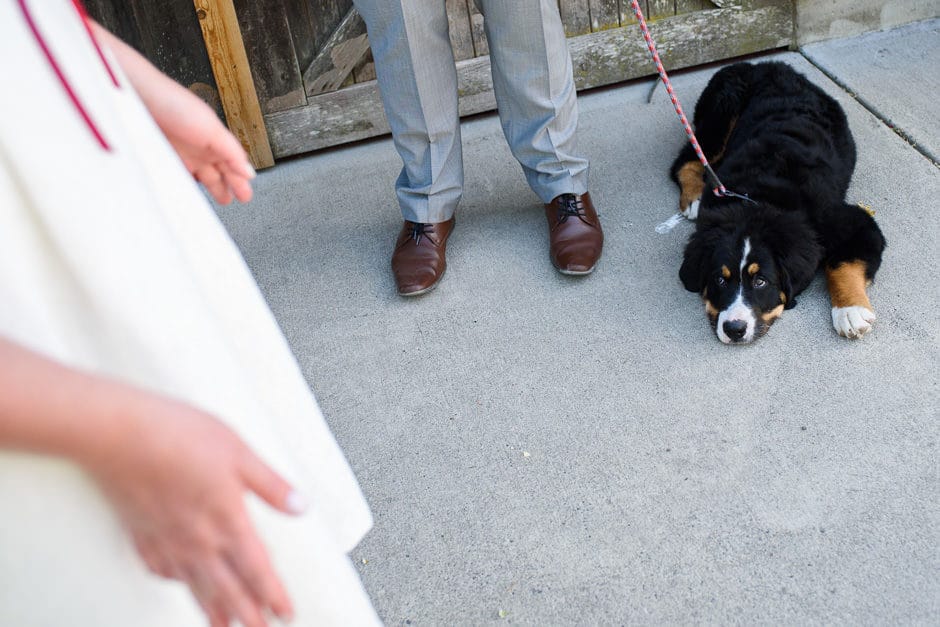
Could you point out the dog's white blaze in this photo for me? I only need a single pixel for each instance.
(739, 309)
(747, 251)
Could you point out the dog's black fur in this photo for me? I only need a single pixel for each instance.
(778, 138)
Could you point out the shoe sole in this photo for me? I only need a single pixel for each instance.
(575, 272)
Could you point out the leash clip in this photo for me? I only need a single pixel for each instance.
(723, 192)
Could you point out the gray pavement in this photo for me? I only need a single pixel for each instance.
(540, 449)
(896, 73)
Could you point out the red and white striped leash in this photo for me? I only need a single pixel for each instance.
(719, 189)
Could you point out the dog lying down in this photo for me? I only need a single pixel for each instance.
(771, 134)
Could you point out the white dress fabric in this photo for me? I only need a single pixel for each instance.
(112, 261)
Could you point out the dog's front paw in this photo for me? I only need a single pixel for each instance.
(691, 210)
(852, 322)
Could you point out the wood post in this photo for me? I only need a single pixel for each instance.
(226, 50)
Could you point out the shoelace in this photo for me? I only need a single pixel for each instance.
(569, 206)
(419, 229)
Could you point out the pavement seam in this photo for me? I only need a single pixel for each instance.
(900, 132)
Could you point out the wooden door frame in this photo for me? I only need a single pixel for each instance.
(226, 50)
(735, 28)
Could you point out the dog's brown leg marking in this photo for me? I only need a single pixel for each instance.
(691, 183)
(847, 285)
(692, 175)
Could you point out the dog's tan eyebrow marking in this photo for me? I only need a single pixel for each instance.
(753, 268)
(725, 272)
(783, 298)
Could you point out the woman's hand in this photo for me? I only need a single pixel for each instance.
(208, 150)
(177, 478)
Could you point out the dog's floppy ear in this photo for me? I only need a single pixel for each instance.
(786, 286)
(797, 253)
(693, 271)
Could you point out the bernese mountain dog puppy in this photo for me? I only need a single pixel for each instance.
(771, 134)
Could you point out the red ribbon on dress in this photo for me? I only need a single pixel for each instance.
(27, 15)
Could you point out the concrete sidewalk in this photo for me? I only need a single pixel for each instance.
(540, 449)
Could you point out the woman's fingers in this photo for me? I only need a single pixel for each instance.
(270, 486)
(237, 181)
(218, 590)
(216, 614)
(234, 596)
(211, 178)
(249, 560)
(226, 148)
(224, 182)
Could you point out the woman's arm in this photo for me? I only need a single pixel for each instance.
(176, 476)
(208, 150)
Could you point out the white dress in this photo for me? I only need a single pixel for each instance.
(112, 261)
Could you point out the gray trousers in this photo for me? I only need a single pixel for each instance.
(532, 81)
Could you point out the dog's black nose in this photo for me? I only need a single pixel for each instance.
(735, 329)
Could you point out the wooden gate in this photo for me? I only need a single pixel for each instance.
(315, 80)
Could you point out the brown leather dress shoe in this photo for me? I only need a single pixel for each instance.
(574, 232)
(418, 262)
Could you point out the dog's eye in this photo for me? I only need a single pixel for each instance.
(760, 282)
(721, 280)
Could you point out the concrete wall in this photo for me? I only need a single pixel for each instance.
(827, 19)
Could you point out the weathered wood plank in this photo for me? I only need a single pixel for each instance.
(301, 22)
(576, 16)
(481, 46)
(168, 34)
(365, 71)
(626, 12)
(223, 42)
(119, 18)
(658, 9)
(683, 41)
(170, 38)
(604, 14)
(326, 16)
(461, 34)
(338, 57)
(688, 6)
(271, 55)
(599, 59)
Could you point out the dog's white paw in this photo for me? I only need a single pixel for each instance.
(852, 322)
(691, 212)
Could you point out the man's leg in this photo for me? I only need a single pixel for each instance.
(414, 65)
(535, 93)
